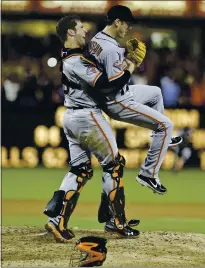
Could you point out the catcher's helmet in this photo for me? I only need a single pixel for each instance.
(89, 251)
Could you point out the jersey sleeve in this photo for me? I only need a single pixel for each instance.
(87, 71)
(113, 65)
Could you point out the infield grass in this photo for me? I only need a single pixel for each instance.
(25, 193)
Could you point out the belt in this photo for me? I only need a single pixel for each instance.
(81, 107)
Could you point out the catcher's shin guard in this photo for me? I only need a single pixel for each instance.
(54, 206)
(69, 204)
(105, 212)
(116, 196)
(63, 203)
(83, 172)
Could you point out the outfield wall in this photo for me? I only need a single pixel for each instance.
(34, 136)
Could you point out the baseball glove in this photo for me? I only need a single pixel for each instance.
(136, 50)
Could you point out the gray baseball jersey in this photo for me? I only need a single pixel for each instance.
(80, 75)
(140, 105)
(110, 55)
(108, 52)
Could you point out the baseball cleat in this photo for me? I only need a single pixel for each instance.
(127, 231)
(175, 141)
(60, 236)
(153, 184)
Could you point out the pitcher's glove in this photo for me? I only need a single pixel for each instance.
(136, 50)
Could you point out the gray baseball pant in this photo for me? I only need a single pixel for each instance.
(88, 132)
(143, 106)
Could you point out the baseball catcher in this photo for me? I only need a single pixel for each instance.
(87, 132)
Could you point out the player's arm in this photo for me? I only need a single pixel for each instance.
(118, 74)
(88, 71)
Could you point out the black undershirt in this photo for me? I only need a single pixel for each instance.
(113, 86)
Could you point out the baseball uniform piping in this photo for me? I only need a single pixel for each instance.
(113, 157)
(87, 60)
(76, 54)
(116, 76)
(96, 78)
(72, 55)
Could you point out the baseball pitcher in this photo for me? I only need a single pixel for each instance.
(138, 105)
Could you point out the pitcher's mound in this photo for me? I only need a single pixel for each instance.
(30, 246)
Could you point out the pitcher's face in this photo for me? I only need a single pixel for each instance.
(123, 28)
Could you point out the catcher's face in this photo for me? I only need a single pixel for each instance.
(123, 28)
(80, 33)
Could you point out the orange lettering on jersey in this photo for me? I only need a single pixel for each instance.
(95, 48)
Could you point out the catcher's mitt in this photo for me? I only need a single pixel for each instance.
(136, 50)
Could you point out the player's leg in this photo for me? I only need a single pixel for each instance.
(113, 195)
(64, 201)
(104, 147)
(105, 214)
(135, 113)
(148, 95)
(88, 129)
(152, 96)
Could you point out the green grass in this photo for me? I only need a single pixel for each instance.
(186, 187)
(147, 224)
(38, 184)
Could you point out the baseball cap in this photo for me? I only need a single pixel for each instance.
(120, 12)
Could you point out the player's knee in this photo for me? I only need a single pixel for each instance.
(169, 124)
(157, 92)
(83, 171)
(116, 167)
(115, 170)
(166, 126)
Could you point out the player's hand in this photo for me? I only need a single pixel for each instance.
(130, 65)
(124, 64)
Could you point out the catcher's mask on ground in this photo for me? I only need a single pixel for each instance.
(89, 251)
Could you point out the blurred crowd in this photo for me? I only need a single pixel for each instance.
(180, 77)
(27, 80)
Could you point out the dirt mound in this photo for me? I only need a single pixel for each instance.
(30, 246)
